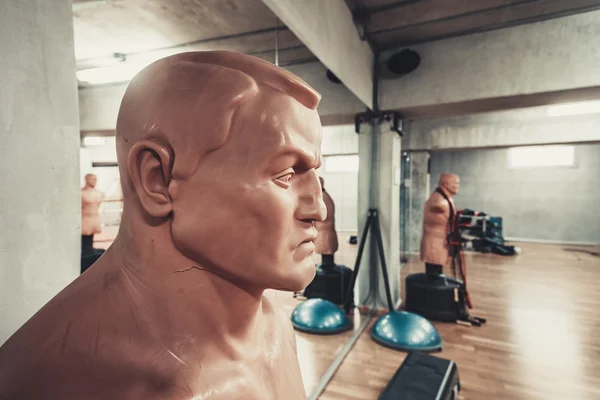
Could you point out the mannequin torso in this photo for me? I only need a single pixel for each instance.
(90, 216)
(91, 198)
(436, 216)
(97, 349)
(436, 221)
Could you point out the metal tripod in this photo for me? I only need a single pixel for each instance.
(372, 219)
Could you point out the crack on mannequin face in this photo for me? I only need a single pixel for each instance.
(189, 269)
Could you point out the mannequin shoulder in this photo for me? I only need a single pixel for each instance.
(91, 196)
(437, 203)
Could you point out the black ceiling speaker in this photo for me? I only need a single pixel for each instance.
(404, 62)
(331, 76)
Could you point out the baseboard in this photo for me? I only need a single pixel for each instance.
(410, 253)
(545, 241)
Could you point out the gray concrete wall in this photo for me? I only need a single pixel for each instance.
(528, 126)
(99, 105)
(554, 55)
(554, 204)
(40, 239)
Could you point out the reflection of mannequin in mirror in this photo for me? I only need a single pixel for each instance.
(92, 201)
(91, 198)
(218, 154)
(327, 240)
(438, 212)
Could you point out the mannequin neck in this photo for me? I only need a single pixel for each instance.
(180, 294)
(446, 191)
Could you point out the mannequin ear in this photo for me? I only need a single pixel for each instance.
(150, 167)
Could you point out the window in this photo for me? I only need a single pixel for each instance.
(346, 163)
(541, 156)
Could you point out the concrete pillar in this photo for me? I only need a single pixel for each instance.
(39, 158)
(385, 192)
(418, 192)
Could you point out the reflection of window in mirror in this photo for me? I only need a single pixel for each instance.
(345, 163)
(541, 156)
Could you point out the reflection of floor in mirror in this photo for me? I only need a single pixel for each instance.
(540, 341)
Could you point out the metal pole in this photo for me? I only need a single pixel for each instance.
(277, 42)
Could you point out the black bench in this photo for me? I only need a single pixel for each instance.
(423, 377)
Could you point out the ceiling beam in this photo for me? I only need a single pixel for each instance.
(328, 30)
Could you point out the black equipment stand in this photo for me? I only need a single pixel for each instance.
(372, 220)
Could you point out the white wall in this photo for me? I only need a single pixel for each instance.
(40, 234)
(341, 142)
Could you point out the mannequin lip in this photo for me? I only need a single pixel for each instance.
(309, 239)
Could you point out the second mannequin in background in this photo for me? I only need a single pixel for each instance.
(327, 240)
(438, 216)
(91, 198)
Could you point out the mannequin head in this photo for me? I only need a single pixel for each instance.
(450, 183)
(219, 150)
(90, 180)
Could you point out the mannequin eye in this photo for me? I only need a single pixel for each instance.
(285, 178)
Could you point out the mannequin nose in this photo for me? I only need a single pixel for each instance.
(311, 206)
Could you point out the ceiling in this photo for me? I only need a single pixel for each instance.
(135, 27)
(395, 23)
(142, 31)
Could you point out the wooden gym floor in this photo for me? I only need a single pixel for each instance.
(541, 341)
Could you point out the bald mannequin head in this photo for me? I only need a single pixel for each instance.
(90, 180)
(187, 102)
(450, 182)
(218, 150)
